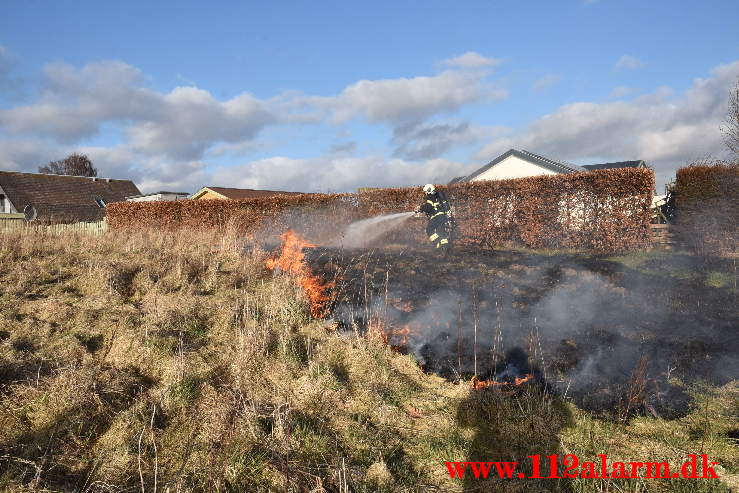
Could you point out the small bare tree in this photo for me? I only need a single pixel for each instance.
(75, 165)
(730, 128)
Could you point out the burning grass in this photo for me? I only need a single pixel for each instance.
(291, 259)
(129, 361)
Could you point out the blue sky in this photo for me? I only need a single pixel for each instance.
(329, 96)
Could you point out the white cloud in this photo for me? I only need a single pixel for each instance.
(190, 120)
(666, 131)
(427, 141)
(182, 123)
(545, 82)
(472, 59)
(179, 176)
(187, 123)
(400, 100)
(335, 174)
(622, 92)
(25, 154)
(11, 86)
(163, 136)
(628, 62)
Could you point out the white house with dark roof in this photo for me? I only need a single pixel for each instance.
(516, 163)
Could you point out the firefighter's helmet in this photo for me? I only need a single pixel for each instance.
(429, 189)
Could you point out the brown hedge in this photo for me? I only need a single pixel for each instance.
(317, 215)
(707, 199)
(606, 210)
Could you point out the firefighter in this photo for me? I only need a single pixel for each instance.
(437, 209)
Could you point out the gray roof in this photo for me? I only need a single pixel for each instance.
(620, 164)
(556, 166)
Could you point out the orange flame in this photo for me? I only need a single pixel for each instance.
(402, 335)
(292, 260)
(394, 337)
(478, 384)
(402, 305)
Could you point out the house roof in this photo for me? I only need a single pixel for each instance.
(64, 198)
(240, 193)
(556, 166)
(620, 164)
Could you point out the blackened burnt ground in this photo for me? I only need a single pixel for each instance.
(616, 334)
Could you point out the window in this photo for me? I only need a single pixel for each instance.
(100, 202)
(2, 203)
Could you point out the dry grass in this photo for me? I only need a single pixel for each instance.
(156, 362)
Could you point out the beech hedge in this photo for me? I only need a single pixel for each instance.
(707, 200)
(606, 210)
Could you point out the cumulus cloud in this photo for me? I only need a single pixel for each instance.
(11, 86)
(472, 59)
(404, 99)
(25, 154)
(406, 104)
(628, 62)
(190, 120)
(622, 92)
(416, 141)
(181, 124)
(187, 124)
(665, 130)
(175, 176)
(163, 137)
(545, 82)
(344, 148)
(336, 174)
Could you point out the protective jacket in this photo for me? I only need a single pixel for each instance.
(437, 209)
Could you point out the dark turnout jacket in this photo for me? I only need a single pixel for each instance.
(435, 205)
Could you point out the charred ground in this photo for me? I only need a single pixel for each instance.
(617, 334)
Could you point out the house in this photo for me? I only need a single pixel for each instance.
(61, 198)
(222, 193)
(159, 197)
(519, 164)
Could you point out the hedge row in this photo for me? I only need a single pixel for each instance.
(317, 215)
(707, 196)
(606, 210)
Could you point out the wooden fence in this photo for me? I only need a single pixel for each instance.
(662, 236)
(17, 222)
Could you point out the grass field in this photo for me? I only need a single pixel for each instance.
(154, 362)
